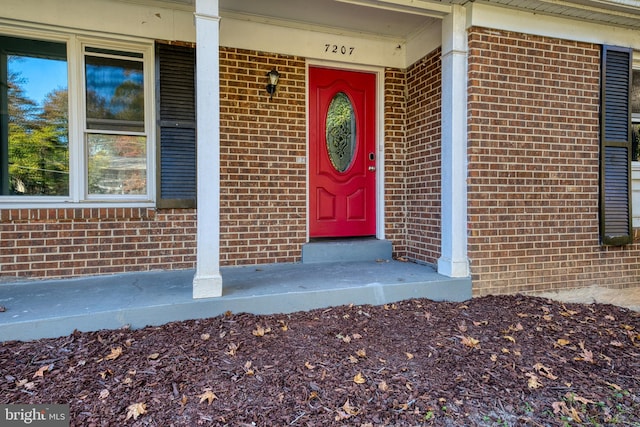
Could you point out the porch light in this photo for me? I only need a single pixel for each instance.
(273, 76)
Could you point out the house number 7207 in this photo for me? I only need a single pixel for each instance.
(342, 50)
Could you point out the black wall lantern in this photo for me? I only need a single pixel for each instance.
(273, 76)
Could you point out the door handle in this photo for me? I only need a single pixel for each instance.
(372, 168)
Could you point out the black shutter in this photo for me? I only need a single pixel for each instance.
(615, 147)
(176, 126)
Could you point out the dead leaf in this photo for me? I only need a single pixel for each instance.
(382, 386)
(615, 386)
(470, 342)
(359, 378)
(233, 348)
(409, 355)
(309, 366)
(356, 336)
(346, 339)
(260, 331)
(575, 397)
(353, 359)
(105, 374)
(351, 410)
(562, 342)
(509, 338)
(481, 323)
(208, 395)
(153, 356)
(104, 394)
(533, 381)
(135, 410)
(544, 371)
(567, 312)
(205, 337)
(115, 353)
(575, 416)
(586, 355)
(494, 357)
(283, 325)
(559, 408)
(40, 372)
(361, 353)
(247, 368)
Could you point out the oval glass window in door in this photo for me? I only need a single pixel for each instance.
(341, 132)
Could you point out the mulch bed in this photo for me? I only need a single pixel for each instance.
(497, 360)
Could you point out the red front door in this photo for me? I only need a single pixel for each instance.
(342, 156)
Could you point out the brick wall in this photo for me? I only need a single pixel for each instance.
(394, 157)
(263, 159)
(533, 167)
(52, 243)
(422, 165)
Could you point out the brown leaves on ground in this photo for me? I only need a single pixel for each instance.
(508, 360)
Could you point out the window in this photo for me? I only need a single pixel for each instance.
(75, 139)
(635, 113)
(115, 126)
(34, 142)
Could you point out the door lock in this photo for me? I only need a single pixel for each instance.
(372, 168)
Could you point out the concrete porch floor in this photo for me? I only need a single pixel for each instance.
(52, 308)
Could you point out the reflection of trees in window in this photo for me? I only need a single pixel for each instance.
(115, 94)
(38, 149)
(117, 164)
(635, 113)
(635, 140)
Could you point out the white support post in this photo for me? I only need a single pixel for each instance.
(453, 261)
(208, 281)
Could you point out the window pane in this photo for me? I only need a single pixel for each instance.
(341, 132)
(115, 94)
(117, 164)
(635, 92)
(36, 134)
(635, 140)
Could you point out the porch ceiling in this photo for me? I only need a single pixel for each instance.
(401, 18)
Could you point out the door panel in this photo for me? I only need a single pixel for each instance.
(341, 153)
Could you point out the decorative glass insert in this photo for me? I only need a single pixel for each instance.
(341, 132)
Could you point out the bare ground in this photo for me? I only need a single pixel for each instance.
(498, 360)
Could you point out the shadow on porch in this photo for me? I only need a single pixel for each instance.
(52, 308)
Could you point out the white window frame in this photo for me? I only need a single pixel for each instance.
(78, 179)
(635, 165)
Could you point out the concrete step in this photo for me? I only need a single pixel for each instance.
(346, 250)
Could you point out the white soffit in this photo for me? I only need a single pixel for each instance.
(492, 16)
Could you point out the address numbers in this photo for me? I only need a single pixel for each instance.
(339, 50)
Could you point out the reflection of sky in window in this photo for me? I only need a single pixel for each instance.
(104, 77)
(40, 76)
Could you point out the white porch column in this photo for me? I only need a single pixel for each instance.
(454, 262)
(208, 281)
